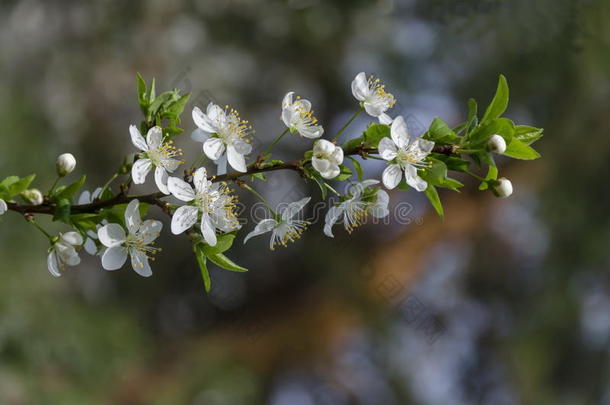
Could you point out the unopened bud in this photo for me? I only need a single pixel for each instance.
(504, 187)
(33, 195)
(65, 164)
(497, 144)
(3, 206)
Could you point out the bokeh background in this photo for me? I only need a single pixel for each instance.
(506, 302)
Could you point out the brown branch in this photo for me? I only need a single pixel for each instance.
(155, 198)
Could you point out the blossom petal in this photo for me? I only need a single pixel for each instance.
(200, 179)
(72, 238)
(385, 119)
(84, 198)
(264, 226)
(399, 132)
(161, 180)
(293, 208)
(331, 218)
(387, 149)
(3, 206)
(380, 208)
(391, 176)
(413, 179)
(321, 165)
(180, 189)
(207, 230)
(53, 264)
(332, 171)
(171, 164)
(137, 139)
(243, 148)
(96, 193)
(311, 131)
(424, 145)
(199, 135)
(360, 87)
(375, 108)
(287, 101)
(154, 137)
(221, 165)
(323, 147)
(236, 160)
(213, 148)
(132, 216)
(114, 257)
(90, 247)
(139, 262)
(337, 155)
(202, 121)
(150, 230)
(111, 235)
(183, 218)
(140, 170)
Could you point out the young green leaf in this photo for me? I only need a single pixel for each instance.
(13, 185)
(226, 263)
(374, 133)
(345, 173)
(519, 150)
(224, 243)
(435, 200)
(499, 102)
(440, 133)
(69, 191)
(202, 261)
(528, 135)
(357, 167)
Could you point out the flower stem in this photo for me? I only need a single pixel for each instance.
(199, 162)
(260, 197)
(332, 189)
(108, 183)
(45, 233)
(476, 176)
(268, 149)
(54, 184)
(347, 124)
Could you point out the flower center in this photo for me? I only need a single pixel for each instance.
(288, 232)
(235, 128)
(164, 152)
(378, 93)
(136, 242)
(410, 157)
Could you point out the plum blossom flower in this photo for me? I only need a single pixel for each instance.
(3, 206)
(373, 97)
(65, 164)
(405, 154)
(63, 252)
(285, 227)
(362, 200)
(137, 243)
(504, 187)
(223, 130)
(155, 153)
(212, 200)
(326, 158)
(496, 144)
(298, 117)
(87, 198)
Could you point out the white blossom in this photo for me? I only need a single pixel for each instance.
(65, 164)
(504, 188)
(63, 252)
(137, 243)
(497, 144)
(373, 97)
(298, 117)
(87, 198)
(326, 158)
(363, 200)
(211, 200)
(405, 154)
(222, 130)
(155, 154)
(285, 227)
(34, 196)
(3, 206)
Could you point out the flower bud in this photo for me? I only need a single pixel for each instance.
(33, 195)
(504, 187)
(3, 206)
(65, 164)
(496, 144)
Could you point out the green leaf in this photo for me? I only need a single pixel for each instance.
(435, 174)
(223, 243)
(528, 135)
(374, 133)
(357, 167)
(519, 150)
(499, 102)
(344, 174)
(258, 176)
(352, 144)
(451, 184)
(69, 191)
(311, 173)
(13, 185)
(435, 200)
(85, 222)
(202, 261)
(440, 133)
(452, 162)
(226, 263)
(62, 211)
(472, 120)
(501, 126)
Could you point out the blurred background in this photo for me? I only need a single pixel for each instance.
(506, 302)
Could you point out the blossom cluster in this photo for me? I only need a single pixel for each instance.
(109, 224)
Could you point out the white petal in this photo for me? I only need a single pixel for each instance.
(180, 189)
(399, 132)
(68, 255)
(337, 155)
(332, 171)
(161, 180)
(387, 148)
(385, 119)
(202, 121)
(111, 235)
(293, 208)
(183, 218)
(360, 86)
(391, 176)
(137, 139)
(3, 206)
(331, 218)
(132, 216)
(236, 160)
(149, 231)
(207, 230)
(321, 165)
(139, 262)
(213, 148)
(200, 179)
(171, 164)
(199, 135)
(96, 193)
(287, 101)
(72, 238)
(311, 132)
(53, 264)
(380, 208)
(324, 147)
(264, 226)
(114, 258)
(413, 178)
(290, 117)
(84, 198)
(221, 165)
(154, 137)
(243, 148)
(424, 145)
(140, 170)
(90, 247)
(375, 108)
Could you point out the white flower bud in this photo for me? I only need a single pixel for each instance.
(65, 164)
(497, 144)
(3, 206)
(33, 195)
(504, 188)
